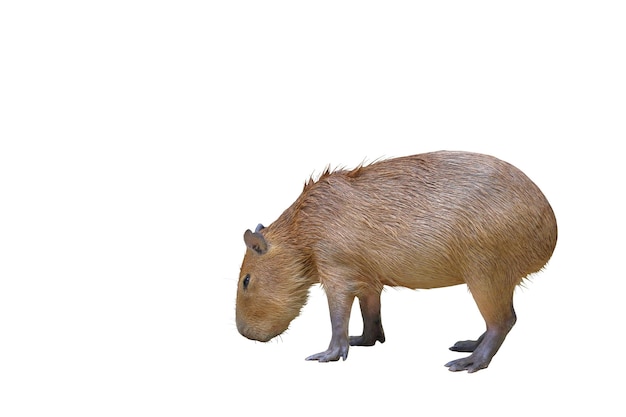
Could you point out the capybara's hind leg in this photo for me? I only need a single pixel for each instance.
(372, 324)
(500, 317)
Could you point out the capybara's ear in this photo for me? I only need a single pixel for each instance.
(255, 241)
(259, 227)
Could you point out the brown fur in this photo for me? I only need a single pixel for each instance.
(423, 221)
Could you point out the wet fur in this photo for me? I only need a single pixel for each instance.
(421, 221)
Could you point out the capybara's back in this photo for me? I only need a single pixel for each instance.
(430, 220)
(422, 221)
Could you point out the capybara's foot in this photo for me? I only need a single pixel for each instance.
(372, 324)
(333, 353)
(467, 345)
(363, 341)
(487, 345)
(367, 339)
(470, 364)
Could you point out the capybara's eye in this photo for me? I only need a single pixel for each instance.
(246, 281)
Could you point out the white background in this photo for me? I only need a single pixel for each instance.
(138, 140)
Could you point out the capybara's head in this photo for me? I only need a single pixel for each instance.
(272, 288)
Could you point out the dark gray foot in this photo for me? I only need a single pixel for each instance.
(470, 364)
(367, 340)
(372, 324)
(333, 353)
(483, 350)
(467, 345)
(340, 306)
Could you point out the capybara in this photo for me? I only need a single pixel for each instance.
(423, 221)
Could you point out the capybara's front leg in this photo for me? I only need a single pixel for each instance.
(339, 306)
(372, 324)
